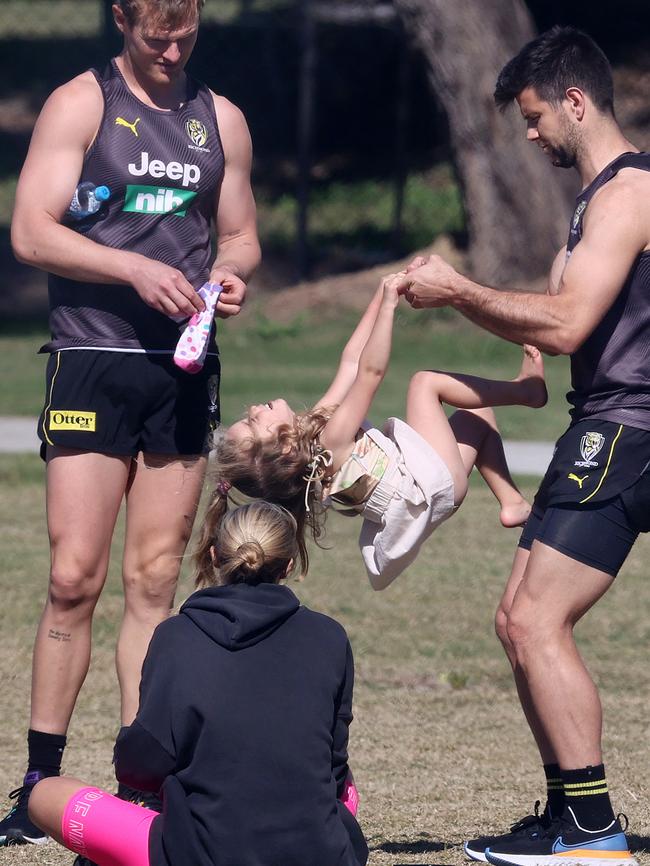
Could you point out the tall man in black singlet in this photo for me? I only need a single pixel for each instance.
(595, 498)
(120, 420)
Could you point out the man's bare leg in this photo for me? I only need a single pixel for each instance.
(84, 491)
(519, 564)
(554, 593)
(162, 500)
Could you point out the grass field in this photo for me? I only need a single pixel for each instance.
(438, 745)
(66, 18)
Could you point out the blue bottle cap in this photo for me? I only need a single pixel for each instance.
(102, 193)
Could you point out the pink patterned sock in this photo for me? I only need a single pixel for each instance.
(192, 346)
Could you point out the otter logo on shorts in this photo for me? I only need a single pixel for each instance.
(197, 132)
(71, 419)
(590, 445)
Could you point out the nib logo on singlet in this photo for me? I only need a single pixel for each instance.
(158, 199)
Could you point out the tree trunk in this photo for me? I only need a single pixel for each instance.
(516, 204)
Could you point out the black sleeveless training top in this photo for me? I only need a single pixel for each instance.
(610, 372)
(164, 169)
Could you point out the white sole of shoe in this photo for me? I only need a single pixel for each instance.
(10, 842)
(570, 858)
(478, 856)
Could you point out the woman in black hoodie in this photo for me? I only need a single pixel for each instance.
(245, 703)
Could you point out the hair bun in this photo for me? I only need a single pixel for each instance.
(251, 555)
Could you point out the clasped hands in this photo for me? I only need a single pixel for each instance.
(427, 282)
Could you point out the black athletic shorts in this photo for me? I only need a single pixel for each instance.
(595, 497)
(127, 402)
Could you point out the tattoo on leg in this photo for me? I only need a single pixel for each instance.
(61, 636)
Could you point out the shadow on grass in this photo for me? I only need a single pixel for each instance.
(418, 846)
(638, 843)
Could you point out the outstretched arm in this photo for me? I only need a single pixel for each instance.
(615, 233)
(340, 431)
(349, 362)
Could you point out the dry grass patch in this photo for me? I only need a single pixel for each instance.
(439, 746)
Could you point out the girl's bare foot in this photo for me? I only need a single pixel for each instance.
(514, 514)
(531, 378)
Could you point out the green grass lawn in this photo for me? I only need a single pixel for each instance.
(438, 745)
(262, 359)
(66, 18)
(355, 218)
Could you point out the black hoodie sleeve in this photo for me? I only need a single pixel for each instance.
(144, 753)
(140, 761)
(342, 723)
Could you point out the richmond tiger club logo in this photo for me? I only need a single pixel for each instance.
(590, 445)
(198, 135)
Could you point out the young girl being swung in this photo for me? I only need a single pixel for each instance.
(403, 480)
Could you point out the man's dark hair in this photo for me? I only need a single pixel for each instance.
(560, 58)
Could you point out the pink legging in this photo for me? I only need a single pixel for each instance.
(114, 832)
(107, 830)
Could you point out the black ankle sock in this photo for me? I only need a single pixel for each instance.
(554, 790)
(586, 794)
(45, 752)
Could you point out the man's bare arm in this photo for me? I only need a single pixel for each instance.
(238, 249)
(555, 274)
(615, 232)
(46, 186)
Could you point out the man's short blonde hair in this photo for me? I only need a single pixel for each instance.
(169, 14)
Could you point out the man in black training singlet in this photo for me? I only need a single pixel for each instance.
(120, 420)
(595, 497)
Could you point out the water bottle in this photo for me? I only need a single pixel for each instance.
(87, 200)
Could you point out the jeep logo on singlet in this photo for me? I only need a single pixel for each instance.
(187, 173)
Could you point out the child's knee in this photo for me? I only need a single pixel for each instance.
(424, 386)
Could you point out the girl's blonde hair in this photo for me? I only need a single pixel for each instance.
(254, 543)
(276, 470)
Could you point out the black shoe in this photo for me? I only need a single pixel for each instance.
(16, 827)
(147, 799)
(475, 848)
(566, 842)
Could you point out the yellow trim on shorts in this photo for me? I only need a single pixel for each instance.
(49, 399)
(609, 460)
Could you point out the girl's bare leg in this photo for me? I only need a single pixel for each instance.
(474, 392)
(480, 445)
(425, 414)
(472, 437)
